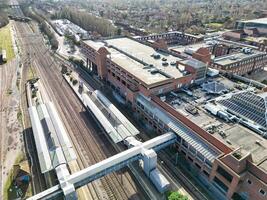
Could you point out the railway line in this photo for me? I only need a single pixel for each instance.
(178, 178)
(90, 145)
(167, 166)
(37, 176)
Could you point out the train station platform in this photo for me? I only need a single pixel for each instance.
(116, 125)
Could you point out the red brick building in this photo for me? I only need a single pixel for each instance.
(154, 72)
(140, 73)
(240, 63)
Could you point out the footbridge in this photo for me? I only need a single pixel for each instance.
(46, 124)
(104, 167)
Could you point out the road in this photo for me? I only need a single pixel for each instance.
(90, 143)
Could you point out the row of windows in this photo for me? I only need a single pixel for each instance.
(188, 147)
(175, 36)
(124, 82)
(128, 78)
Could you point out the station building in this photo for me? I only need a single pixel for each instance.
(141, 74)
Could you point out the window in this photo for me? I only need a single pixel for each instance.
(192, 150)
(225, 174)
(262, 192)
(189, 158)
(206, 173)
(179, 139)
(198, 166)
(185, 144)
(200, 157)
(221, 185)
(249, 181)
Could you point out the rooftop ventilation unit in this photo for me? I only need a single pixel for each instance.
(233, 58)
(247, 50)
(165, 64)
(173, 63)
(156, 56)
(164, 59)
(154, 71)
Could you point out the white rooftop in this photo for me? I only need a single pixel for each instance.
(144, 53)
(260, 20)
(129, 54)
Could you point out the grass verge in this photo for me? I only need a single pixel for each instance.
(6, 41)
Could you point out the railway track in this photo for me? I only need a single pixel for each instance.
(38, 179)
(90, 144)
(108, 182)
(167, 165)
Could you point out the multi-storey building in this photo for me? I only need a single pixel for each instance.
(240, 63)
(174, 37)
(140, 74)
(136, 67)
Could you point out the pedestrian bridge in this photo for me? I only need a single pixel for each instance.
(103, 168)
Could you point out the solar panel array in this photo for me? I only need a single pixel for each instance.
(249, 105)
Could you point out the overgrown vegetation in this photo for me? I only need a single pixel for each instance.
(78, 62)
(264, 82)
(87, 21)
(44, 26)
(237, 155)
(6, 42)
(19, 116)
(175, 195)
(74, 82)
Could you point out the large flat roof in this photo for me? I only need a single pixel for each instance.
(144, 52)
(94, 44)
(192, 47)
(236, 57)
(136, 58)
(130, 65)
(233, 135)
(180, 129)
(135, 68)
